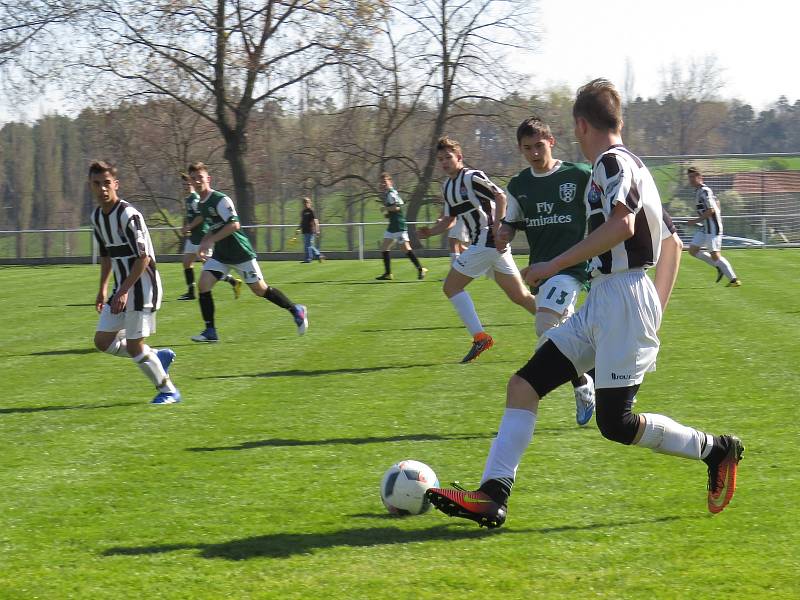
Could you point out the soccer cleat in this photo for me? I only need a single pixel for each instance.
(321, 257)
(188, 296)
(720, 274)
(584, 401)
(421, 272)
(722, 476)
(167, 398)
(476, 506)
(385, 277)
(300, 314)
(236, 284)
(734, 283)
(482, 341)
(209, 335)
(166, 356)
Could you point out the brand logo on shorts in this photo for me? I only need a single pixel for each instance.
(614, 376)
(567, 191)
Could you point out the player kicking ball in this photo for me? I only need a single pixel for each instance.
(469, 197)
(615, 330)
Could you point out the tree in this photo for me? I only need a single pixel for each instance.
(222, 58)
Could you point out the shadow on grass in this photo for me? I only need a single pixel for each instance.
(355, 441)
(437, 327)
(63, 352)
(285, 545)
(356, 282)
(35, 409)
(320, 372)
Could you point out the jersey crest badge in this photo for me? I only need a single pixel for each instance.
(566, 191)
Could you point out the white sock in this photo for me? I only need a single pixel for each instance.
(726, 267)
(663, 435)
(118, 347)
(149, 364)
(466, 310)
(706, 258)
(513, 437)
(454, 256)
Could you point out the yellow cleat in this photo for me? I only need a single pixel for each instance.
(237, 288)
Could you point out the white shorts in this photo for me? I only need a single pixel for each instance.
(459, 232)
(476, 260)
(615, 331)
(250, 270)
(136, 323)
(190, 248)
(397, 236)
(709, 241)
(559, 294)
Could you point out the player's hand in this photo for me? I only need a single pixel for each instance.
(424, 232)
(118, 302)
(536, 273)
(203, 250)
(99, 301)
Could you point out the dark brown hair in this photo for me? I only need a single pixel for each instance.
(533, 126)
(101, 166)
(445, 143)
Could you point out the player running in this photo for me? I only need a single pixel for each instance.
(232, 249)
(546, 201)
(615, 329)
(469, 196)
(128, 316)
(396, 230)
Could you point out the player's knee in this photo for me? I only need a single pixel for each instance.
(614, 415)
(546, 320)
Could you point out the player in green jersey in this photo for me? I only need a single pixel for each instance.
(231, 249)
(194, 228)
(546, 200)
(396, 230)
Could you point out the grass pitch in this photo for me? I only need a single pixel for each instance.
(264, 482)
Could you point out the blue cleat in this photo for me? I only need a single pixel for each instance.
(166, 356)
(300, 314)
(584, 401)
(167, 397)
(209, 335)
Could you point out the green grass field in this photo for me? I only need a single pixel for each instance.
(264, 482)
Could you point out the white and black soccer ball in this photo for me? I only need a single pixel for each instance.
(404, 485)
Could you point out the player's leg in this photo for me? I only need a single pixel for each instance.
(697, 248)
(413, 258)
(545, 371)
(213, 271)
(189, 257)
(516, 290)
(724, 267)
(459, 277)
(153, 363)
(388, 242)
(251, 272)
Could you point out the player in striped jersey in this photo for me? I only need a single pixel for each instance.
(128, 316)
(469, 196)
(232, 249)
(707, 242)
(615, 330)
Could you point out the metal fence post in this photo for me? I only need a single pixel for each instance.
(361, 241)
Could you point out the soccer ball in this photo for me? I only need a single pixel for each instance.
(403, 487)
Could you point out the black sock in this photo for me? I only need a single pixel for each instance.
(498, 489)
(276, 296)
(387, 262)
(413, 258)
(188, 275)
(230, 279)
(207, 309)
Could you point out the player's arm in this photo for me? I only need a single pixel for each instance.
(618, 228)
(212, 238)
(120, 298)
(105, 276)
(196, 222)
(703, 216)
(512, 220)
(667, 268)
(442, 224)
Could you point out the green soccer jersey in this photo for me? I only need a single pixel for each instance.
(192, 202)
(397, 220)
(551, 210)
(218, 211)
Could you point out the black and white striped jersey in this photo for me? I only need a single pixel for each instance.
(618, 175)
(123, 237)
(469, 196)
(704, 199)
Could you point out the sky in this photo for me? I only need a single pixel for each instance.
(755, 44)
